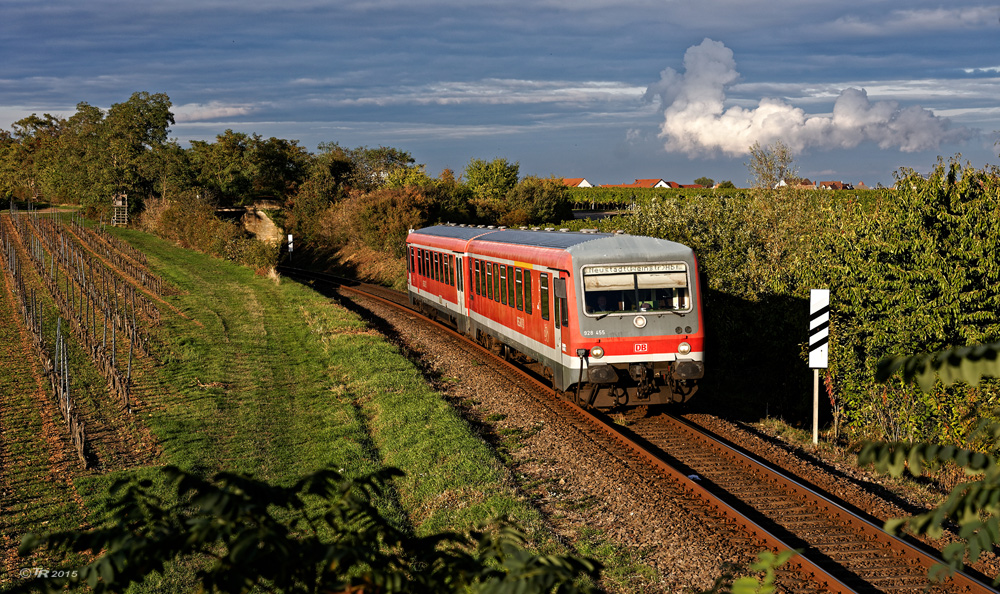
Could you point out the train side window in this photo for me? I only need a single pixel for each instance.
(519, 288)
(451, 270)
(527, 291)
(460, 271)
(446, 265)
(436, 266)
(496, 282)
(420, 262)
(477, 277)
(511, 289)
(427, 263)
(489, 280)
(503, 285)
(543, 294)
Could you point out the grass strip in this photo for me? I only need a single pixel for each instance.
(274, 380)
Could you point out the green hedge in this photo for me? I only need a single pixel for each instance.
(614, 198)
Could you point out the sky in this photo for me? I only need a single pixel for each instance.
(607, 90)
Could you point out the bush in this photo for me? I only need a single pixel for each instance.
(917, 271)
(322, 534)
(535, 200)
(192, 224)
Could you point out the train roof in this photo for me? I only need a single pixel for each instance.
(454, 231)
(572, 241)
(549, 239)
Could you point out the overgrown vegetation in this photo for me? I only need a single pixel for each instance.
(973, 506)
(322, 534)
(193, 225)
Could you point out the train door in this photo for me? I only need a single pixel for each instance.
(560, 317)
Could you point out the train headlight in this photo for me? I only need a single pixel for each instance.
(639, 321)
(597, 352)
(684, 348)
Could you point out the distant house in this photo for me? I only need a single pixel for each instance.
(802, 184)
(834, 185)
(577, 182)
(861, 185)
(692, 186)
(645, 183)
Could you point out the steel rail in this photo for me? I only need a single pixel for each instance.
(802, 563)
(869, 531)
(808, 569)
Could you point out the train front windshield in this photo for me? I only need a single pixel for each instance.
(636, 288)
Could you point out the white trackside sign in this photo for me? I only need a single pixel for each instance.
(819, 327)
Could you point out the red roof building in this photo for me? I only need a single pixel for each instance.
(645, 183)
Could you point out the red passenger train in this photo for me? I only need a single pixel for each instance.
(610, 319)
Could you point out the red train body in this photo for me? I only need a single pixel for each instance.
(611, 319)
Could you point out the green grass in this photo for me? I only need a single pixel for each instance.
(274, 380)
(625, 567)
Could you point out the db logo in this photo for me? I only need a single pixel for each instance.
(641, 347)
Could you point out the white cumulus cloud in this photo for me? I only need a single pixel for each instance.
(696, 121)
(196, 112)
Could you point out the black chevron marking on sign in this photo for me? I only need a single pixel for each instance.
(819, 342)
(819, 313)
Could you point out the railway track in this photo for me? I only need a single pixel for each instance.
(841, 549)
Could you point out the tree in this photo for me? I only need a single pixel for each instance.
(224, 167)
(535, 200)
(770, 164)
(705, 182)
(322, 534)
(403, 177)
(278, 166)
(366, 169)
(726, 184)
(175, 173)
(130, 131)
(82, 166)
(490, 182)
(33, 154)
